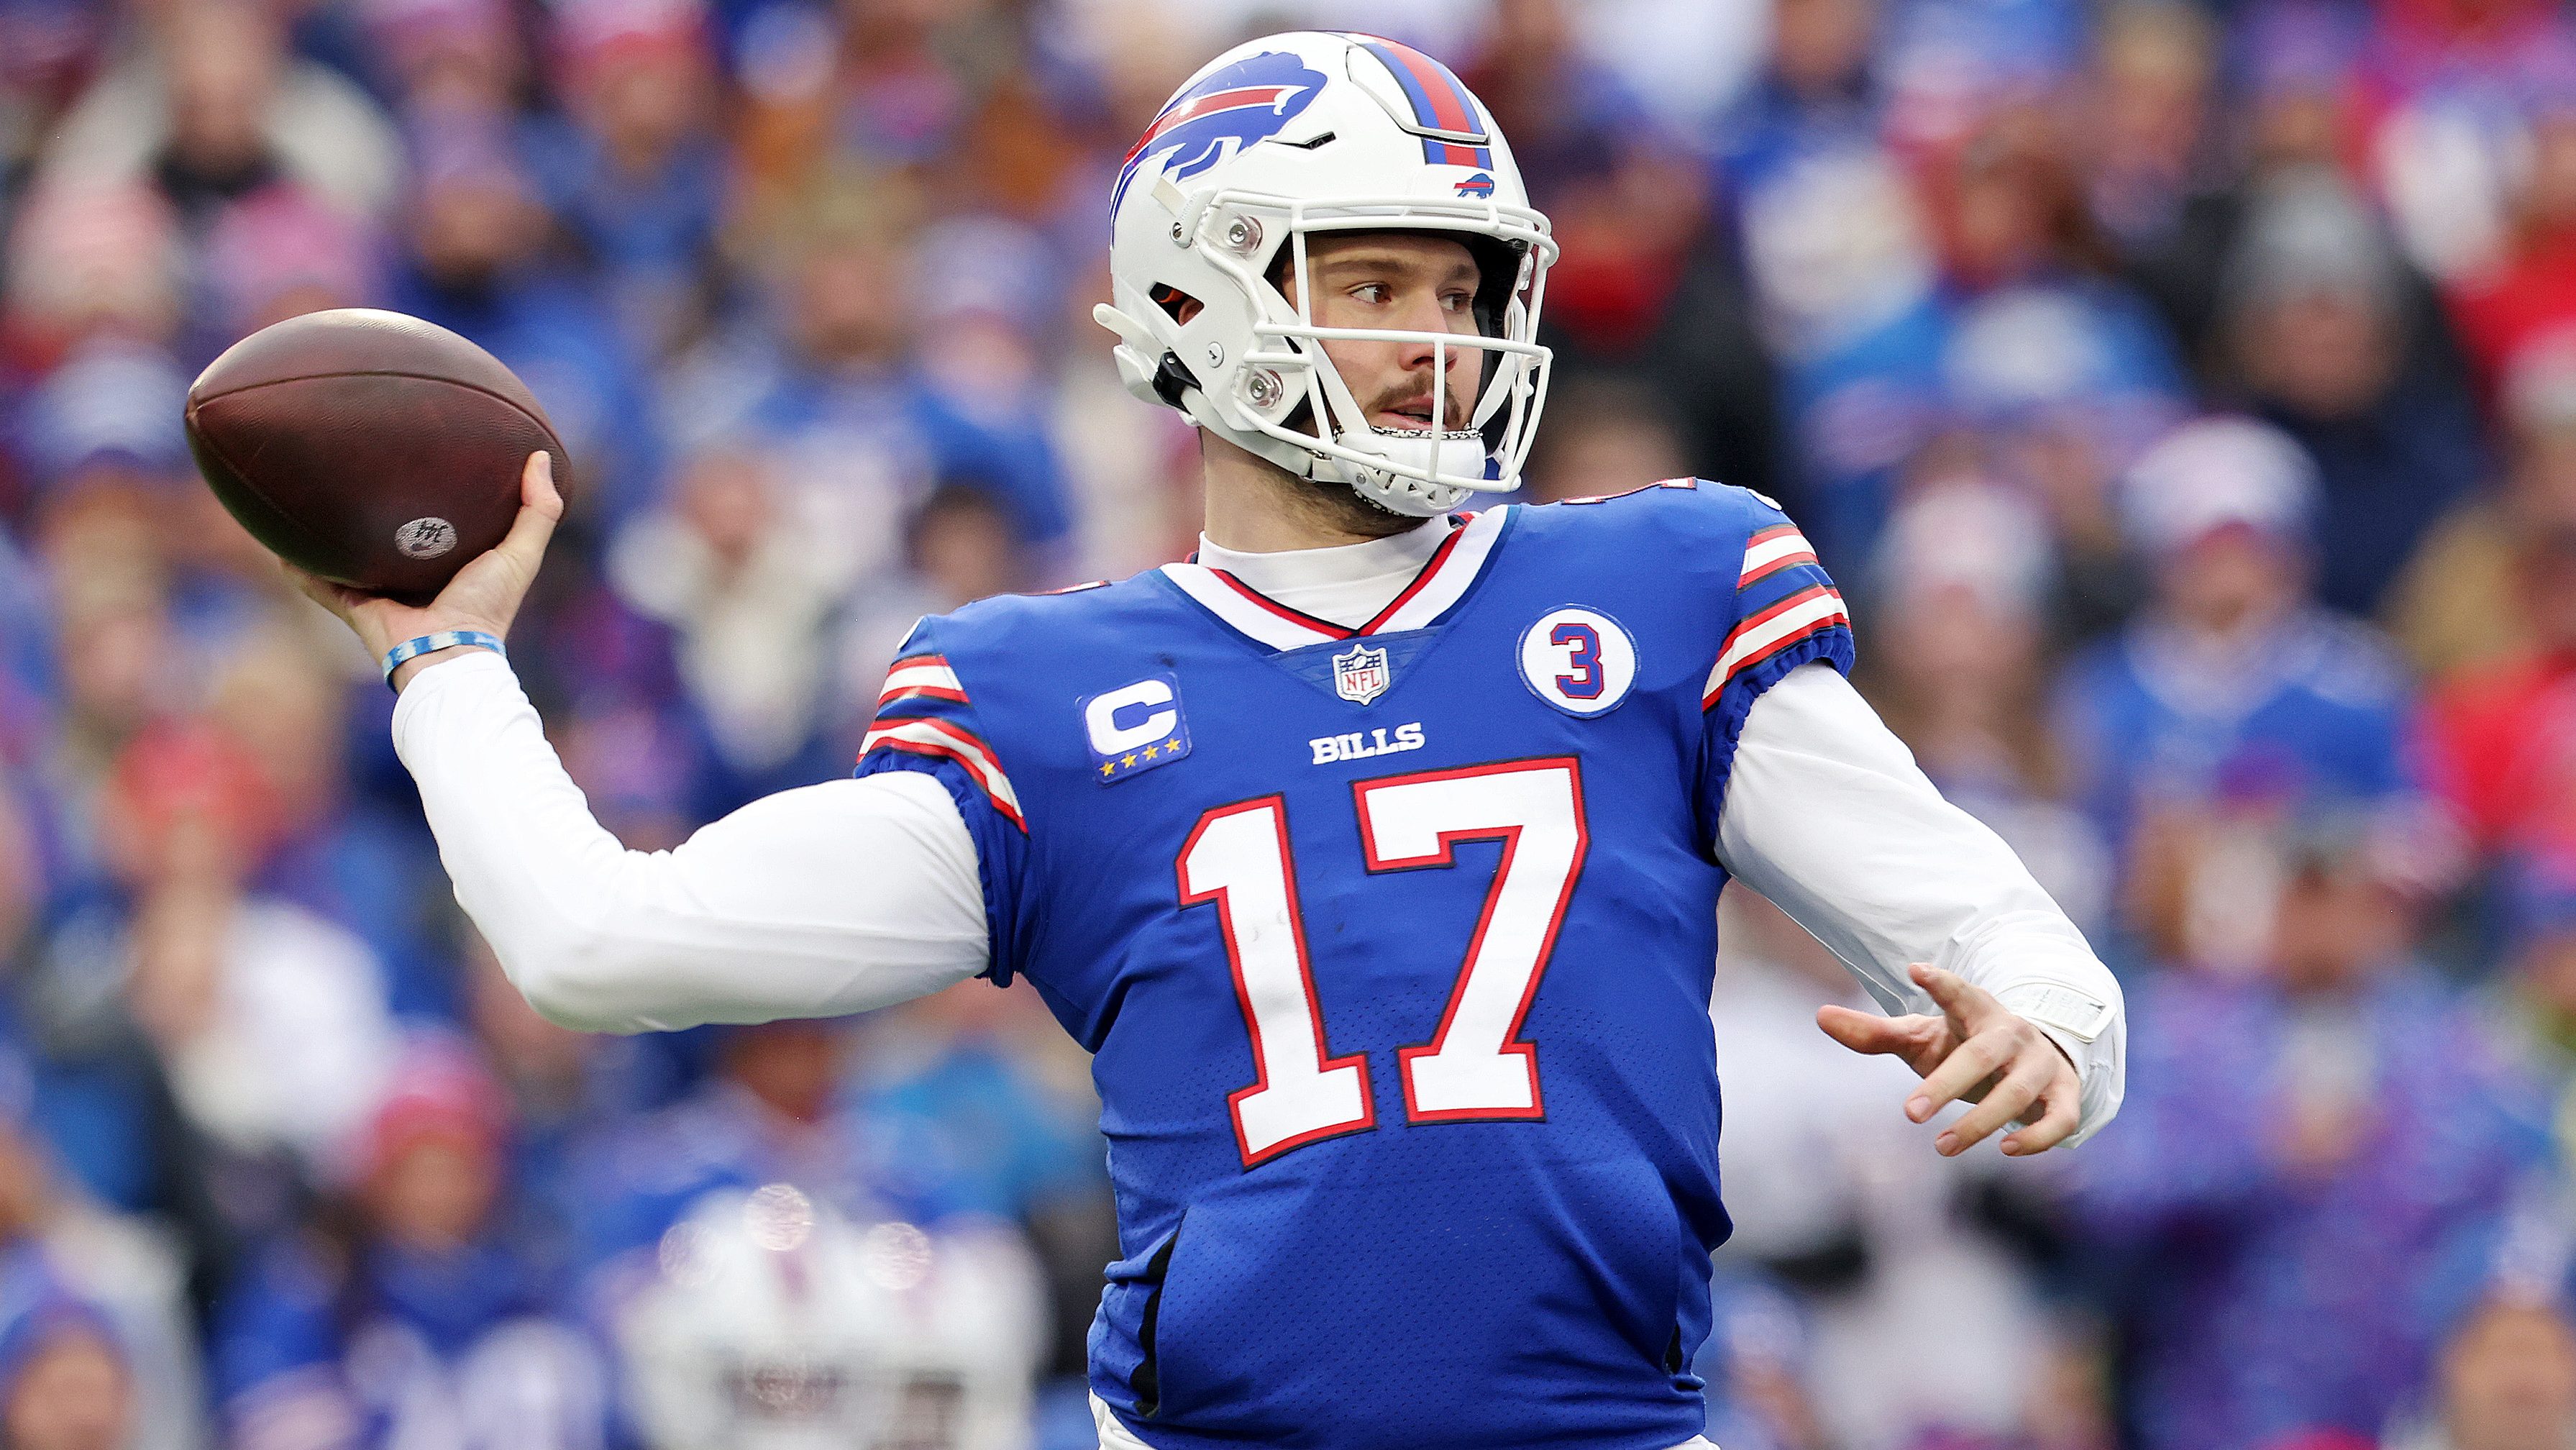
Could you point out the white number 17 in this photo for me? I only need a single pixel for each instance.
(1474, 1066)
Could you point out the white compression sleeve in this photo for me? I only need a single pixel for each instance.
(1827, 814)
(828, 899)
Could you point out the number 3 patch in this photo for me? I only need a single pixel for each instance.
(1579, 660)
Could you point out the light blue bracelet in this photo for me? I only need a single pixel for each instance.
(412, 649)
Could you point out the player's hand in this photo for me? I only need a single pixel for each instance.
(484, 595)
(1979, 1051)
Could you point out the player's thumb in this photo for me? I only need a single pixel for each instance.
(541, 506)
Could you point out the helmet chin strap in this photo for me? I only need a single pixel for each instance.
(1445, 452)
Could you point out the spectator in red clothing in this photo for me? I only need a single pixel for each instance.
(2531, 293)
(2500, 741)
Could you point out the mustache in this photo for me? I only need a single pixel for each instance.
(1454, 412)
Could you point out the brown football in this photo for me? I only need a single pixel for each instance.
(368, 447)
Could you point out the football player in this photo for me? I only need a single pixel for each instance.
(1373, 852)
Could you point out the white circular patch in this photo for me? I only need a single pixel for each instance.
(1579, 660)
(425, 538)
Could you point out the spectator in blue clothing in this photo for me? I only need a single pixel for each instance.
(989, 292)
(2065, 380)
(457, 57)
(568, 1093)
(479, 262)
(750, 578)
(2026, 344)
(2309, 1150)
(1757, 1365)
(1958, 600)
(771, 1113)
(347, 859)
(64, 1381)
(634, 169)
(280, 252)
(102, 1290)
(1824, 221)
(118, 495)
(425, 1324)
(2325, 344)
(2230, 680)
(188, 1025)
(969, 1127)
(823, 377)
(1947, 64)
(1644, 290)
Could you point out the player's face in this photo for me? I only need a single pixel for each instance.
(1397, 282)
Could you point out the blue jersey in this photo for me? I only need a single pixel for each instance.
(1393, 946)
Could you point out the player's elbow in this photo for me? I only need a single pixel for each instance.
(580, 975)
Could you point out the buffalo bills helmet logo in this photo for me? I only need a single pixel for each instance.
(1244, 103)
(1478, 186)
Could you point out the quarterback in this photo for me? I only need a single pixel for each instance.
(1373, 853)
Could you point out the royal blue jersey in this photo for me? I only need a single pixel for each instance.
(1393, 946)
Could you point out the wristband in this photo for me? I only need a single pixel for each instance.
(412, 649)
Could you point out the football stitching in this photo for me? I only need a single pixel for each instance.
(504, 399)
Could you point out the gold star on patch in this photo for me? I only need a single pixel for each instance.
(1152, 750)
(1108, 766)
(1129, 760)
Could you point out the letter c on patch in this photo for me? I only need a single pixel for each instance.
(1100, 717)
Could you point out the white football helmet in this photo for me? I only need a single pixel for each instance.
(776, 1324)
(1310, 132)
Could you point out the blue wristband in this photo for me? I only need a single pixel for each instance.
(412, 649)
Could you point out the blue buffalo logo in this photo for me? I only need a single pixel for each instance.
(1247, 102)
(1479, 186)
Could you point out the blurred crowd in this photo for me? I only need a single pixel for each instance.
(2184, 393)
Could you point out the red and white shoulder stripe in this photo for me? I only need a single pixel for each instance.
(944, 740)
(1771, 550)
(1809, 611)
(925, 676)
(918, 713)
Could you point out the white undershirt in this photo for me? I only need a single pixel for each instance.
(857, 894)
(1346, 584)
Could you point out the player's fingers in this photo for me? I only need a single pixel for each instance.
(1864, 1031)
(2010, 1098)
(1971, 1063)
(337, 598)
(2064, 1096)
(1973, 1005)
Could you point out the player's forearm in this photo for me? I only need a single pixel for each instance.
(1827, 815)
(832, 899)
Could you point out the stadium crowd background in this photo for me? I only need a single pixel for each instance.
(2184, 394)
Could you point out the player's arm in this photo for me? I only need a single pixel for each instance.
(2001, 999)
(830, 899)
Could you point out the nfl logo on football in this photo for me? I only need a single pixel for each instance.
(1361, 675)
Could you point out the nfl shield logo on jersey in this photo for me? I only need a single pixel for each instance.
(1361, 675)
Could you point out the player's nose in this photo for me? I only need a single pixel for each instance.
(1419, 353)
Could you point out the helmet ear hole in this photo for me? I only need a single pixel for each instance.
(1176, 304)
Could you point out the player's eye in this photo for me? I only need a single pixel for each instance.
(1458, 301)
(1373, 292)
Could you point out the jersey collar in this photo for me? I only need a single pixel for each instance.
(1445, 579)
